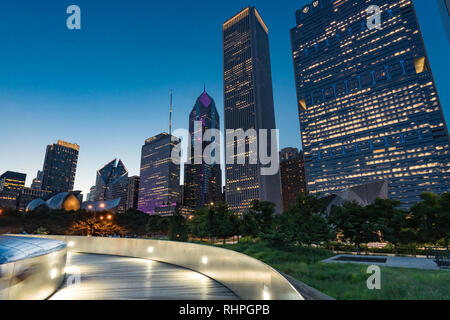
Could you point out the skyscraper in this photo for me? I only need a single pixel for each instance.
(60, 166)
(160, 176)
(368, 105)
(248, 104)
(444, 8)
(292, 172)
(112, 183)
(133, 193)
(37, 182)
(11, 184)
(12, 181)
(202, 182)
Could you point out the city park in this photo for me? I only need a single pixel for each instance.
(296, 242)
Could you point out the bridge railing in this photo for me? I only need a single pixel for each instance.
(248, 278)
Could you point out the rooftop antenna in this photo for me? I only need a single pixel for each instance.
(170, 117)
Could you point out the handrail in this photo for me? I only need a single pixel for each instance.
(248, 278)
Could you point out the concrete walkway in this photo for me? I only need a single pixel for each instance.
(394, 262)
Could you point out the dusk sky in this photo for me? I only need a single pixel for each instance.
(106, 86)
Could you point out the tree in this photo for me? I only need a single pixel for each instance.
(394, 226)
(259, 219)
(356, 224)
(95, 227)
(178, 229)
(133, 221)
(431, 218)
(214, 222)
(227, 222)
(157, 225)
(198, 225)
(308, 220)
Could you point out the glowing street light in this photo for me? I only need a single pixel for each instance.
(102, 205)
(109, 217)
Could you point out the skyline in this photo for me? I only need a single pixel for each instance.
(112, 113)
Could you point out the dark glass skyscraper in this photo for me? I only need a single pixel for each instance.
(248, 104)
(203, 182)
(292, 172)
(112, 183)
(160, 176)
(368, 105)
(133, 193)
(60, 166)
(12, 181)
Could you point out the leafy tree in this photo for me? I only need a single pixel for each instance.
(227, 222)
(214, 222)
(394, 226)
(259, 219)
(356, 224)
(431, 218)
(281, 234)
(133, 221)
(157, 225)
(95, 227)
(178, 229)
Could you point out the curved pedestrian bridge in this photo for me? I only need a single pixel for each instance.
(106, 277)
(120, 268)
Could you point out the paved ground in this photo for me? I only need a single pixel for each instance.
(117, 278)
(395, 262)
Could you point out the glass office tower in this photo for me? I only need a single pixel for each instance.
(160, 176)
(60, 166)
(112, 183)
(292, 172)
(248, 104)
(202, 182)
(368, 105)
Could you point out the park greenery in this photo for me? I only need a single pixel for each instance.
(306, 223)
(293, 242)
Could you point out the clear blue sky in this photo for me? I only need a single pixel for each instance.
(106, 87)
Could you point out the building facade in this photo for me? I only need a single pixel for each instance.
(27, 195)
(60, 166)
(444, 7)
(112, 183)
(160, 176)
(133, 193)
(12, 181)
(11, 184)
(369, 109)
(248, 104)
(292, 171)
(202, 181)
(37, 182)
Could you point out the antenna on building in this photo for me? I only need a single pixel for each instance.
(170, 116)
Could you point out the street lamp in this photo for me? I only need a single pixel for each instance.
(109, 217)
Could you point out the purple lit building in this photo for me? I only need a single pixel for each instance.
(160, 177)
(203, 182)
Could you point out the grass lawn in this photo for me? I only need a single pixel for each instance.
(348, 281)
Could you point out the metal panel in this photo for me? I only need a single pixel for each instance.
(30, 269)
